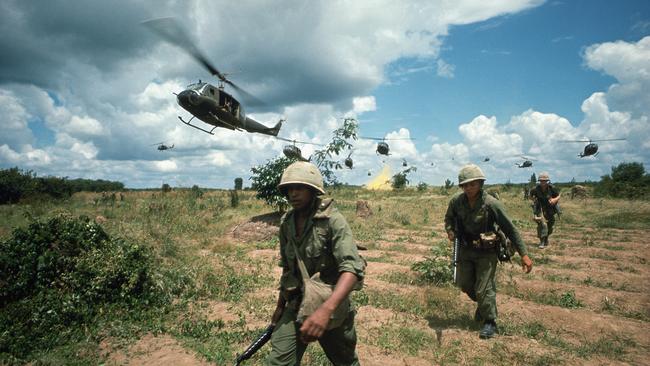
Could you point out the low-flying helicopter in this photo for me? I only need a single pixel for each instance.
(404, 163)
(591, 148)
(212, 105)
(162, 146)
(526, 163)
(293, 151)
(382, 145)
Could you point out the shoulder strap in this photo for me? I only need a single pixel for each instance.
(301, 265)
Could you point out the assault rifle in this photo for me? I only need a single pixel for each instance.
(454, 254)
(256, 345)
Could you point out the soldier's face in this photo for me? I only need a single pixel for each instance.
(543, 183)
(472, 188)
(300, 196)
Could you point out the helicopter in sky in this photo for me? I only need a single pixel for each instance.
(526, 163)
(486, 159)
(293, 151)
(348, 161)
(210, 104)
(404, 163)
(591, 148)
(162, 146)
(382, 145)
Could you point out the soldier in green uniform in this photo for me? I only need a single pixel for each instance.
(545, 205)
(316, 233)
(476, 216)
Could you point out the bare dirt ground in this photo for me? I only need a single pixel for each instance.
(587, 302)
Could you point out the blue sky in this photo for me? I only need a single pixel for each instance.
(83, 94)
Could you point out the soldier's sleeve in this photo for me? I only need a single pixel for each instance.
(449, 217)
(508, 228)
(555, 192)
(283, 244)
(343, 247)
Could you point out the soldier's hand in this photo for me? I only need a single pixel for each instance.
(315, 325)
(451, 236)
(526, 264)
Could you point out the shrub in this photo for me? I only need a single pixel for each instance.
(239, 183)
(436, 269)
(58, 275)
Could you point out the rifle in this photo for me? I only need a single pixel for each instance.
(454, 260)
(256, 345)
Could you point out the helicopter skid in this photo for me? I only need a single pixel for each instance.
(197, 127)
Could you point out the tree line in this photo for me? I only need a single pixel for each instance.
(16, 184)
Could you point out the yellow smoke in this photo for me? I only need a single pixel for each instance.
(382, 181)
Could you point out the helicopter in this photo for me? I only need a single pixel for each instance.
(212, 105)
(293, 151)
(162, 146)
(486, 159)
(382, 145)
(527, 163)
(348, 161)
(404, 163)
(591, 148)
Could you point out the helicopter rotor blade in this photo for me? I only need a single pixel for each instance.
(157, 143)
(297, 141)
(172, 32)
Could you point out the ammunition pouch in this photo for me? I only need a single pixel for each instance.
(315, 293)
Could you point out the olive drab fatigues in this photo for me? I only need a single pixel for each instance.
(477, 267)
(326, 246)
(543, 209)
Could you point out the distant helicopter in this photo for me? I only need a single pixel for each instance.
(591, 148)
(486, 159)
(404, 163)
(527, 163)
(348, 161)
(162, 146)
(382, 145)
(293, 151)
(212, 105)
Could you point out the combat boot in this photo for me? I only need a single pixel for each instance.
(542, 242)
(488, 330)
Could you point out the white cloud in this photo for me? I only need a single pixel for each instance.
(445, 70)
(14, 129)
(165, 166)
(364, 104)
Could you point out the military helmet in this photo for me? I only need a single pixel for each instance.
(470, 172)
(543, 176)
(302, 172)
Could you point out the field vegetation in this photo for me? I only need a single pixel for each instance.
(190, 277)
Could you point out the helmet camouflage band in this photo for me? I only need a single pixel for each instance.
(543, 176)
(470, 173)
(302, 172)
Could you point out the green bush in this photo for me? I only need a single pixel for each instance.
(436, 269)
(58, 275)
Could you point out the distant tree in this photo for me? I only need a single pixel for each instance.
(573, 180)
(448, 183)
(400, 179)
(14, 184)
(166, 188)
(422, 186)
(533, 179)
(627, 180)
(239, 183)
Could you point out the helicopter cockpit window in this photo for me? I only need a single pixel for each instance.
(197, 87)
(212, 91)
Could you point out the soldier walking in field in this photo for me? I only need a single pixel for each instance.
(545, 206)
(478, 220)
(316, 245)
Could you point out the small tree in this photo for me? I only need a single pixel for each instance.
(323, 158)
(239, 183)
(166, 188)
(265, 181)
(400, 179)
(533, 179)
(448, 183)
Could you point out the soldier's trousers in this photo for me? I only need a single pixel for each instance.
(339, 344)
(475, 277)
(545, 226)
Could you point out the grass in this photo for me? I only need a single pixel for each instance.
(190, 235)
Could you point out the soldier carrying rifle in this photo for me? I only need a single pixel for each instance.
(545, 206)
(482, 224)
